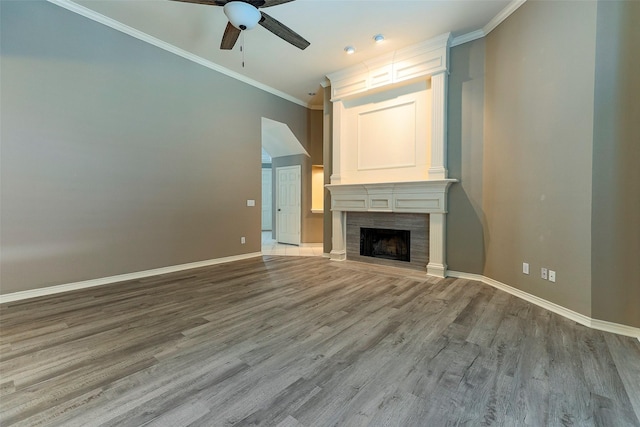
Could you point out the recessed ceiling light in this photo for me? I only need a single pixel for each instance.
(379, 38)
(350, 50)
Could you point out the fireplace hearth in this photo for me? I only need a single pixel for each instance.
(385, 243)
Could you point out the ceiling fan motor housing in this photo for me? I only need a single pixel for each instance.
(242, 15)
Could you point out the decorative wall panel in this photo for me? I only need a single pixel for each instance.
(387, 137)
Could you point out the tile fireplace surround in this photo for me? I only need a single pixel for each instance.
(428, 197)
(389, 142)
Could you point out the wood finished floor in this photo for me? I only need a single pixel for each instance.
(291, 341)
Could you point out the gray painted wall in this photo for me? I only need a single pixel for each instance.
(538, 136)
(120, 157)
(544, 137)
(465, 124)
(615, 225)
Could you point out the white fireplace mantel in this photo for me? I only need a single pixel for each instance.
(428, 197)
(389, 141)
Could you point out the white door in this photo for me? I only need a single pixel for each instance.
(288, 204)
(267, 206)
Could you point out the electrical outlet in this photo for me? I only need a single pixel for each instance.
(525, 268)
(552, 276)
(251, 202)
(543, 273)
(243, 240)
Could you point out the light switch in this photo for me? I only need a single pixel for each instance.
(251, 202)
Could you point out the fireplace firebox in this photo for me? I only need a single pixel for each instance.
(385, 243)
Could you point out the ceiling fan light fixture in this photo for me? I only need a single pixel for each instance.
(242, 15)
(350, 50)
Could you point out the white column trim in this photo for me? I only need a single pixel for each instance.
(437, 249)
(339, 236)
(438, 169)
(337, 145)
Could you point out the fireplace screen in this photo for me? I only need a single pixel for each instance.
(384, 243)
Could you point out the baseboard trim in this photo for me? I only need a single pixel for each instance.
(51, 290)
(600, 325)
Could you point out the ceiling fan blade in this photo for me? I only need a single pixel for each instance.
(269, 3)
(206, 2)
(282, 31)
(255, 3)
(230, 37)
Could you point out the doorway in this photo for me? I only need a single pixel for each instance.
(288, 211)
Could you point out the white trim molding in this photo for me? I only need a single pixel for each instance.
(468, 37)
(439, 85)
(491, 25)
(140, 35)
(420, 60)
(504, 14)
(51, 290)
(383, 73)
(587, 321)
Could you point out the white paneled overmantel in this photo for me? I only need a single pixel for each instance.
(394, 107)
(417, 61)
(428, 197)
(390, 141)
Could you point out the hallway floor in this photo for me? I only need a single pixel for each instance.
(272, 247)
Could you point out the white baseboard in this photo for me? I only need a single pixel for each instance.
(51, 290)
(601, 325)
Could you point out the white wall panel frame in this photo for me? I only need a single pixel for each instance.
(387, 137)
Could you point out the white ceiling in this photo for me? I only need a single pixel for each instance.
(329, 25)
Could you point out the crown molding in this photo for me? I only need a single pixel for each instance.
(466, 38)
(504, 14)
(119, 26)
(491, 25)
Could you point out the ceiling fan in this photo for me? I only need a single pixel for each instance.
(244, 15)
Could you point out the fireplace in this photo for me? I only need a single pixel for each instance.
(387, 238)
(385, 243)
(389, 148)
